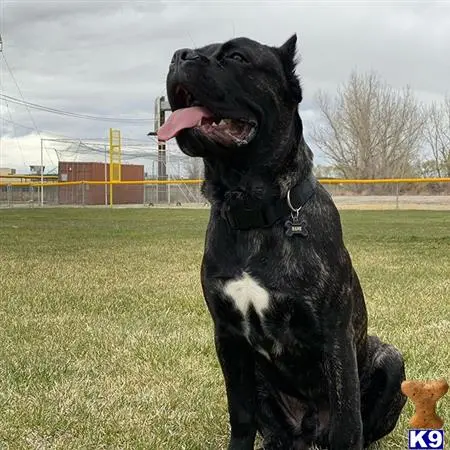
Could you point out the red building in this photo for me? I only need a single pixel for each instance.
(95, 194)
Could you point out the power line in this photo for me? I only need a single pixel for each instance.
(1, 83)
(15, 135)
(62, 137)
(72, 114)
(26, 127)
(29, 105)
(133, 150)
(23, 99)
(124, 139)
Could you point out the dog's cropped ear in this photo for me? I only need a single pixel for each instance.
(288, 55)
(289, 49)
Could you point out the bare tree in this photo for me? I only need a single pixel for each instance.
(194, 168)
(437, 136)
(324, 171)
(369, 129)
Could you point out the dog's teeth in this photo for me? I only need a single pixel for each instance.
(214, 124)
(199, 124)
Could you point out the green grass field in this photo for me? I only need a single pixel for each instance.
(106, 342)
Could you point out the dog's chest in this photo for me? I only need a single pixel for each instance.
(247, 293)
(252, 300)
(277, 329)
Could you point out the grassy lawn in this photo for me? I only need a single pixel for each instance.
(106, 342)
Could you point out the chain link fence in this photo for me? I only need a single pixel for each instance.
(139, 193)
(357, 194)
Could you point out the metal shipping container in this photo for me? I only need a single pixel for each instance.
(96, 194)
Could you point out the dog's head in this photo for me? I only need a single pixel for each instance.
(233, 97)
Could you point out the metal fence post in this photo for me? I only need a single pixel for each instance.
(397, 194)
(8, 195)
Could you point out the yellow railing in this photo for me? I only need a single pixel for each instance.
(36, 177)
(103, 183)
(385, 180)
(199, 181)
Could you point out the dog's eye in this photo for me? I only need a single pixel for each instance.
(237, 57)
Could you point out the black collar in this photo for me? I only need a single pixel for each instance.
(245, 217)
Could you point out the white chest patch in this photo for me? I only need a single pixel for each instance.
(246, 291)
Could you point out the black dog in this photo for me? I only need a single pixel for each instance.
(289, 313)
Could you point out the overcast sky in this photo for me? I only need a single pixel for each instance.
(111, 57)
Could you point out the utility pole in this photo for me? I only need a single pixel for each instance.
(42, 173)
(1, 82)
(161, 106)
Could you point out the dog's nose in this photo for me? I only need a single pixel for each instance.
(184, 54)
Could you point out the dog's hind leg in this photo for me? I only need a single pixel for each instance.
(381, 398)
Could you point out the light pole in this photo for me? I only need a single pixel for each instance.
(1, 51)
(161, 106)
(42, 173)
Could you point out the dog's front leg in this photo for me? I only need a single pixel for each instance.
(238, 367)
(344, 394)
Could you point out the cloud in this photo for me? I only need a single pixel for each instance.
(111, 58)
(24, 151)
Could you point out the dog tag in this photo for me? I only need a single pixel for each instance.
(295, 227)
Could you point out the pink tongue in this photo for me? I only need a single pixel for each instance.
(181, 119)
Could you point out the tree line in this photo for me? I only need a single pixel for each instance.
(369, 130)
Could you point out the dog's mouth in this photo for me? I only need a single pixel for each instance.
(189, 113)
